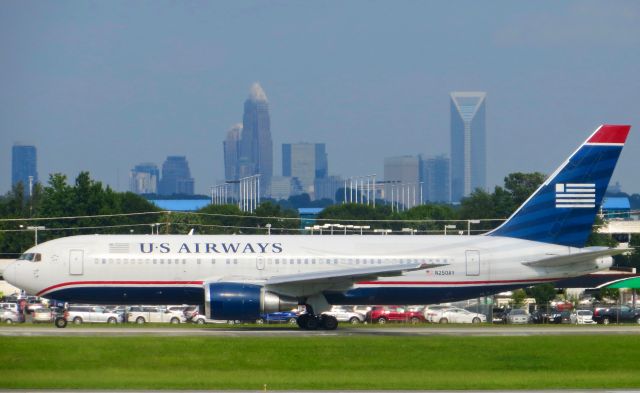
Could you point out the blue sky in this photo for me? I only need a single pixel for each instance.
(104, 85)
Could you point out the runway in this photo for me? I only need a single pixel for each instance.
(488, 331)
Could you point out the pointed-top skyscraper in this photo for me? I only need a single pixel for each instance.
(468, 143)
(256, 146)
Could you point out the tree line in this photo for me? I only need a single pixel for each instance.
(87, 197)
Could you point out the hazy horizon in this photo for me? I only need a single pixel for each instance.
(104, 86)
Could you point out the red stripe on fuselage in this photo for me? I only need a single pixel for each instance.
(67, 284)
(456, 282)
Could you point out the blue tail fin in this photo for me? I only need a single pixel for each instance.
(563, 209)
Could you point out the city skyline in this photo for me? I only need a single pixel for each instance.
(369, 84)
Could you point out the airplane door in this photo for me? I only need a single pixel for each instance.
(473, 262)
(260, 263)
(76, 262)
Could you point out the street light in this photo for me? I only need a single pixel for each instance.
(35, 230)
(448, 227)
(410, 230)
(469, 222)
(361, 227)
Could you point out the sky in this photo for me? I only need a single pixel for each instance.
(101, 86)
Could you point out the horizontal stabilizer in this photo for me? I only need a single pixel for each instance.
(356, 274)
(590, 254)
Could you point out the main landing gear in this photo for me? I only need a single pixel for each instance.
(310, 321)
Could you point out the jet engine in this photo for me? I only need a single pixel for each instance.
(240, 301)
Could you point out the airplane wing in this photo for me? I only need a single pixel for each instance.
(591, 253)
(353, 275)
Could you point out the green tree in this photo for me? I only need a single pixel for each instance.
(522, 185)
(543, 293)
(518, 297)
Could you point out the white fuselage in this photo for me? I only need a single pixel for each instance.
(173, 268)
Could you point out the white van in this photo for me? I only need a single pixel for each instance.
(143, 314)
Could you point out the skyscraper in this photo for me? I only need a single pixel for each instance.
(231, 147)
(306, 162)
(401, 174)
(256, 146)
(176, 177)
(24, 164)
(144, 178)
(435, 177)
(468, 143)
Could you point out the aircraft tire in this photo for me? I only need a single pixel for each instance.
(60, 322)
(312, 322)
(329, 322)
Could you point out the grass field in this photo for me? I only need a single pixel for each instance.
(296, 363)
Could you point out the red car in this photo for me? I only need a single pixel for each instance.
(384, 314)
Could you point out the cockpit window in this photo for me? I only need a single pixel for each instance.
(30, 256)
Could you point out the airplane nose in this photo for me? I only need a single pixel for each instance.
(9, 274)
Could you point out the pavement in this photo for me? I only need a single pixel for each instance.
(483, 331)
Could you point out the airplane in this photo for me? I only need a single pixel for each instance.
(239, 277)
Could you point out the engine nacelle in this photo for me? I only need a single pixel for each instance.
(238, 301)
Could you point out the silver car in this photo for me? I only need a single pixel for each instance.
(9, 316)
(91, 314)
(344, 314)
(518, 316)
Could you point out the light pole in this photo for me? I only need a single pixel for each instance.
(469, 222)
(35, 230)
(448, 227)
(361, 227)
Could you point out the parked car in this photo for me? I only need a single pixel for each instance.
(499, 315)
(289, 317)
(10, 306)
(143, 314)
(584, 317)
(9, 316)
(616, 314)
(384, 314)
(91, 314)
(202, 319)
(517, 315)
(191, 311)
(345, 314)
(459, 315)
(32, 307)
(541, 316)
(433, 313)
(567, 317)
(42, 315)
